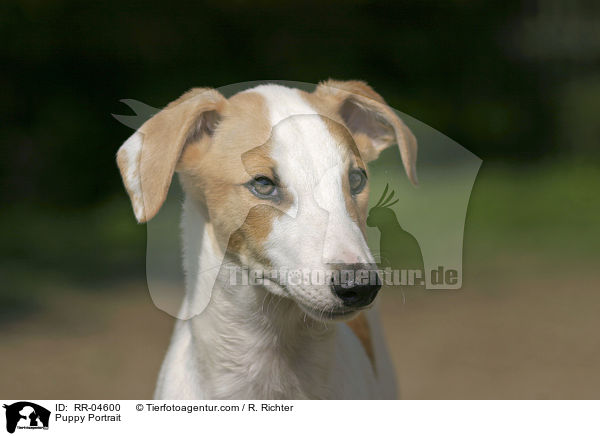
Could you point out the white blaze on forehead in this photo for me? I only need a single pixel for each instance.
(302, 145)
(283, 102)
(311, 164)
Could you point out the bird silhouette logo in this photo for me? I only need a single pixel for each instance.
(398, 248)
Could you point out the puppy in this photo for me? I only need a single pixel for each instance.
(275, 179)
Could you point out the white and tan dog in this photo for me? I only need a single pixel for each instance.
(274, 178)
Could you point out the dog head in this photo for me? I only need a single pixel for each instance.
(282, 177)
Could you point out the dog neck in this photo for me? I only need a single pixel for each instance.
(248, 342)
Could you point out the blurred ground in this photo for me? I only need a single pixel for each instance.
(525, 324)
(528, 337)
(81, 346)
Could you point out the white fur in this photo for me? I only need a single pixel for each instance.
(251, 342)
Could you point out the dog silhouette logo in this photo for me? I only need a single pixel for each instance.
(26, 415)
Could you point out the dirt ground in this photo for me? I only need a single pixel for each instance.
(526, 337)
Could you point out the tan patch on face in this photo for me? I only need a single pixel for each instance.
(360, 327)
(258, 162)
(214, 171)
(357, 206)
(247, 242)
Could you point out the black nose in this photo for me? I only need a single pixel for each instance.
(356, 286)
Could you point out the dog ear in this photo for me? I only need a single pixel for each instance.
(373, 124)
(147, 160)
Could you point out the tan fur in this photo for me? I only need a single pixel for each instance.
(385, 128)
(214, 172)
(360, 327)
(356, 206)
(328, 105)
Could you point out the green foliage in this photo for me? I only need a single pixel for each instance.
(460, 67)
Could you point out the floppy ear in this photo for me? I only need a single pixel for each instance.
(373, 124)
(148, 158)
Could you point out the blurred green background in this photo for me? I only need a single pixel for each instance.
(515, 82)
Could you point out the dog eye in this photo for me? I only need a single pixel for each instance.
(262, 187)
(358, 180)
